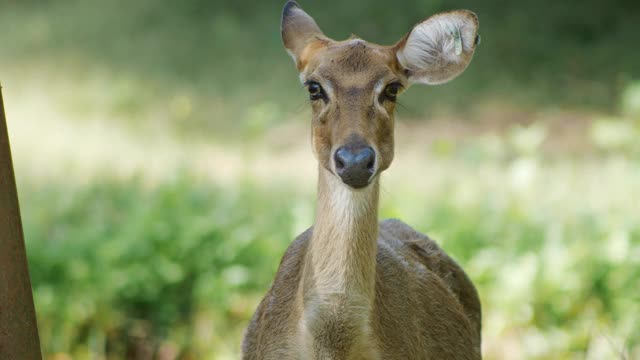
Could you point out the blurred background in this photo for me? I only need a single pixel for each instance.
(163, 164)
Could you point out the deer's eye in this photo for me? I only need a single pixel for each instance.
(315, 90)
(391, 91)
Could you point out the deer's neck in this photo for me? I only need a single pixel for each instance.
(342, 253)
(339, 272)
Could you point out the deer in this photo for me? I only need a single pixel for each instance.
(351, 287)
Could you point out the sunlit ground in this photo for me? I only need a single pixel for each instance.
(174, 238)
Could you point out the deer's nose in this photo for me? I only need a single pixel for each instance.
(355, 165)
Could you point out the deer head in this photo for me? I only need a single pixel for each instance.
(353, 84)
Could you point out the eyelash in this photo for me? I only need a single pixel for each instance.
(393, 96)
(312, 94)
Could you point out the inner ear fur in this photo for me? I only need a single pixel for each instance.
(439, 48)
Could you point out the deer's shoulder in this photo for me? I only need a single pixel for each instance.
(268, 332)
(403, 239)
(399, 240)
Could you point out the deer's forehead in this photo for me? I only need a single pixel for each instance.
(357, 55)
(352, 63)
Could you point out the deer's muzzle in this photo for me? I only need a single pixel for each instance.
(355, 164)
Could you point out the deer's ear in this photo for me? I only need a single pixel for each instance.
(298, 29)
(439, 48)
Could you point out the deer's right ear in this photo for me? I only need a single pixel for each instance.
(298, 30)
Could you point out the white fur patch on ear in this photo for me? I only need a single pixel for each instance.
(439, 48)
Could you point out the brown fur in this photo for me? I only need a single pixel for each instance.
(350, 288)
(432, 314)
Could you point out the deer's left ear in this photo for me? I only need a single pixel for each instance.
(439, 48)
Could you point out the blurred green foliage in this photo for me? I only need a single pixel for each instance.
(111, 254)
(189, 262)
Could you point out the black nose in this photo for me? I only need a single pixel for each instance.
(355, 165)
